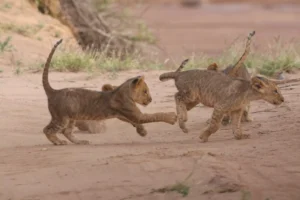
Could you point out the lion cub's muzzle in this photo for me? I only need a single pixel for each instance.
(149, 100)
(278, 102)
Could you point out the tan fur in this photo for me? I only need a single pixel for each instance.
(242, 73)
(238, 70)
(200, 86)
(92, 126)
(71, 104)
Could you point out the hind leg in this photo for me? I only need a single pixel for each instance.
(181, 111)
(69, 135)
(214, 125)
(52, 129)
(225, 121)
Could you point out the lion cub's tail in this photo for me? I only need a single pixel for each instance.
(173, 75)
(168, 75)
(47, 87)
(183, 63)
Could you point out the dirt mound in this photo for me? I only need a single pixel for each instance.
(31, 32)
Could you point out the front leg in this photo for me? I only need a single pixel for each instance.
(236, 125)
(246, 117)
(167, 117)
(135, 116)
(215, 123)
(139, 127)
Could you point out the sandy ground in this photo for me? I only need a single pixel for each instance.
(119, 164)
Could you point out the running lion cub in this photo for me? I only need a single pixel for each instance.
(238, 70)
(227, 95)
(70, 104)
(223, 93)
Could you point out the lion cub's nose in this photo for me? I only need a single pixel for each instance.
(150, 99)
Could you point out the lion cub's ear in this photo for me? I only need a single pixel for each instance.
(138, 80)
(107, 87)
(258, 83)
(213, 66)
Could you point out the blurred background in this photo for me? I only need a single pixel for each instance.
(149, 34)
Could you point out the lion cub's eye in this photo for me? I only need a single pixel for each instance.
(275, 91)
(145, 91)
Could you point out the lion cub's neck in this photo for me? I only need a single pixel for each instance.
(253, 95)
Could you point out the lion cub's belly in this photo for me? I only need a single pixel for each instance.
(207, 101)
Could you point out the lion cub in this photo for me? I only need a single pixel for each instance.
(222, 92)
(71, 104)
(238, 70)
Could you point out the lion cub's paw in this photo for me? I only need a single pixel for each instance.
(141, 130)
(171, 117)
(83, 142)
(185, 130)
(242, 136)
(183, 127)
(203, 138)
(60, 142)
(249, 119)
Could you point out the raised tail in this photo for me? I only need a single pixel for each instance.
(173, 75)
(243, 57)
(47, 87)
(183, 63)
(168, 76)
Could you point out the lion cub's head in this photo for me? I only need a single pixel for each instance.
(268, 90)
(140, 91)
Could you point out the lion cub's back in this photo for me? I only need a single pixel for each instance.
(203, 80)
(210, 87)
(74, 99)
